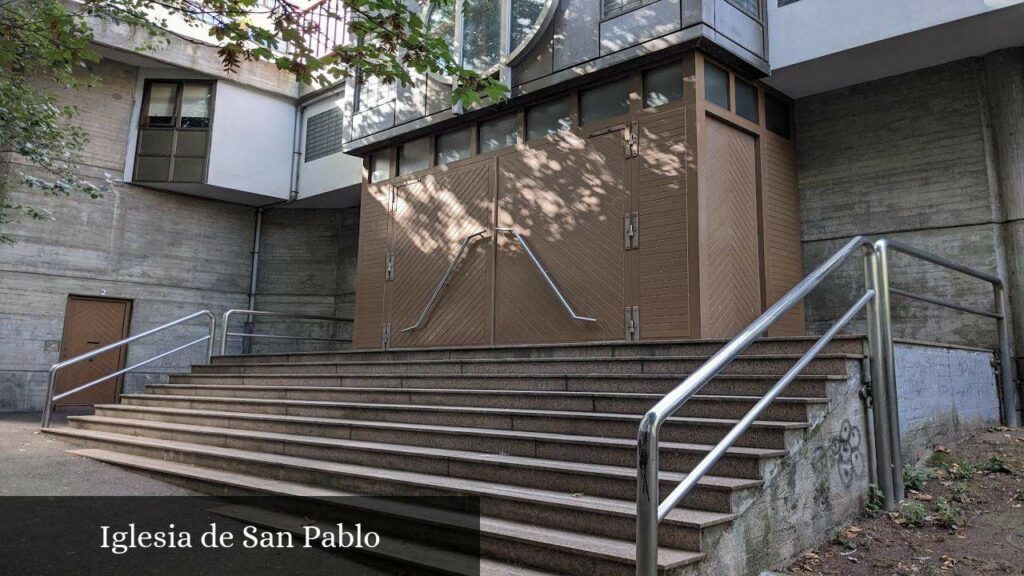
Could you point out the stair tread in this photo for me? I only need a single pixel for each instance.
(509, 529)
(776, 424)
(679, 516)
(512, 434)
(490, 392)
(709, 482)
(560, 359)
(666, 376)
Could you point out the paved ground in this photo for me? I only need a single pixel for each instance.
(37, 464)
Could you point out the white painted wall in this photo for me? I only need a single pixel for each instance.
(330, 172)
(809, 29)
(251, 141)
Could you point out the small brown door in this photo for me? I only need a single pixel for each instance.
(91, 323)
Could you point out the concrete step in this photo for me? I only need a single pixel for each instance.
(617, 403)
(705, 348)
(815, 386)
(763, 434)
(713, 493)
(561, 551)
(605, 517)
(831, 364)
(677, 457)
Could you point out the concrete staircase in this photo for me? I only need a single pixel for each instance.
(543, 435)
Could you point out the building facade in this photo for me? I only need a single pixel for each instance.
(662, 170)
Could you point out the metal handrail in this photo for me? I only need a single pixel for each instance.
(444, 280)
(547, 277)
(52, 383)
(880, 344)
(227, 317)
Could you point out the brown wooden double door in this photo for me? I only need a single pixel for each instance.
(574, 200)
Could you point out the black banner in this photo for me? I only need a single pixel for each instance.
(248, 536)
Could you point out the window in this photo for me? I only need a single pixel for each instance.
(162, 99)
(776, 115)
(716, 85)
(195, 106)
(414, 156)
(605, 101)
(548, 118)
(748, 7)
(610, 8)
(663, 85)
(481, 31)
(174, 131)
(372, 92)
(452, 146)
(746, 100)
(497, 133)
(380, 166)
(323, 134)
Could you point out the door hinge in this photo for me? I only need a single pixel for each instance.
(393, 200)
(389, 267)
(385, 336)
(632, 139)
(631, 230)
(632, 323)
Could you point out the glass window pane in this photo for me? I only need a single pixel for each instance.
(525, 14)
(604, 101)
(453, 146)
(481, 34)
(195, 105)
(442, 22)
(716, 85)
(548, 118)
(746, 100)
(162, 99)
(414, 156)
(380, 166)
(776, 116)
(663, 85)
(750, 7)
(497, 133)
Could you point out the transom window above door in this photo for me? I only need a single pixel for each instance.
(473, 29)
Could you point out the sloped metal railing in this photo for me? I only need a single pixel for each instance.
(875, 299)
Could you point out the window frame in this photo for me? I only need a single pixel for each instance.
(178, 100)
(142, 123)
(606, 16)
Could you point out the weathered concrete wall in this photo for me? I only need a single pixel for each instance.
(942, 392)
(909, 157)
(307, 266)
(170, 254)
(806, 496)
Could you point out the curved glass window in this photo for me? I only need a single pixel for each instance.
(479, 47)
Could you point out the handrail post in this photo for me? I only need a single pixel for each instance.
(879, 390)
(647, 497)
(213, 336)
(1011, 417)
(887, 368)
(224, 332)
(51, 387)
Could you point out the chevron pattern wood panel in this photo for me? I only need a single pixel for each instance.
(373, 248)
(730, 262)
(431, 217)
(663, 178)
(783, 257)
(568, 199)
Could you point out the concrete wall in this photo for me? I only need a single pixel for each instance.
(909, 157)
(942, 392)
(803, 30)
(170, 254)
(307, 266)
